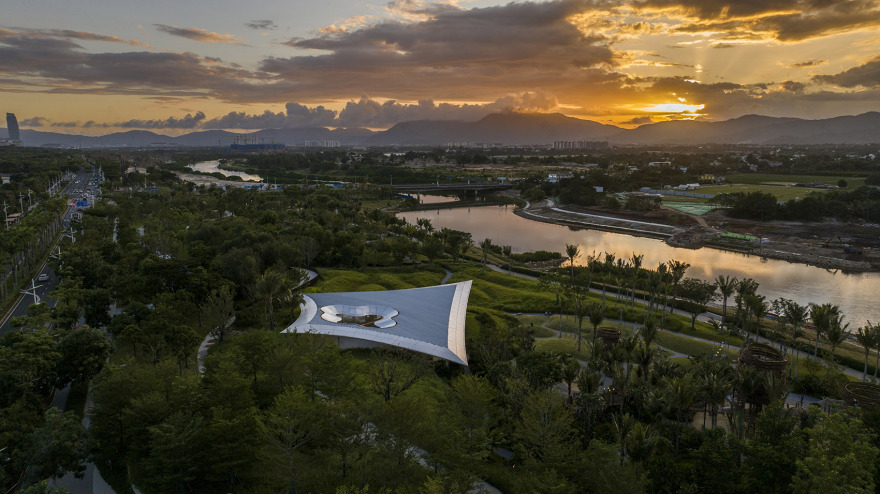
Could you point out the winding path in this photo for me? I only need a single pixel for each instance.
(706, 317)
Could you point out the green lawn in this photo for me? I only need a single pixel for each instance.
(781, 193)
(688, 346)
(376, 279)
(566, 344)
(780, 178)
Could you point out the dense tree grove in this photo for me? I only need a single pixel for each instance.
(154, 272)
(843, 205)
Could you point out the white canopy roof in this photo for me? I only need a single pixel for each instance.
(429, 320)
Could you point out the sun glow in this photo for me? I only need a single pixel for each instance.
(673, 108)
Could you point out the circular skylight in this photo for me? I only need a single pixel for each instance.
(371, 316)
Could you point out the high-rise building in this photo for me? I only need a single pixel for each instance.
(12, 127)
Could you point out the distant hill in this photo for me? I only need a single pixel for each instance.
(207, 138)
(757, 129)
(502, 128)
(511, 128)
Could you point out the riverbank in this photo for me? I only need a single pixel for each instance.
(547, 212)
(793, 251)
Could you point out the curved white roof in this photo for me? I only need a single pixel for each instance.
(429, 320)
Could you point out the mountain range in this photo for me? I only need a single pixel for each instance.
(512, 128)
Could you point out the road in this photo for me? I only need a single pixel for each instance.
(81, 188)
(75, 190)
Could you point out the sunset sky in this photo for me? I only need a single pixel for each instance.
(98, 66)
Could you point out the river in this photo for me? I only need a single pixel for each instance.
(856, 294)
(214, 167)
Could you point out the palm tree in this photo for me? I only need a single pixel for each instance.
(592, 260)
(571, 370)
(865, 337)
(607, 266)
(572, 251)
(269, 287)
(744, 287)
(875, 329)
(677, 270)
(663, 281)
(465, 245)
(726, 286)
(680, 394)
(643, 442)
(597, 315)
(635, 265)
(507, 250)
(822, 317)
(621, 301)
(643, 356)
(648, 331)
(756, 306)
(580, 312)
(716, 387)
(796, 315)
(836, 333)
(622, 427)
(485, 245)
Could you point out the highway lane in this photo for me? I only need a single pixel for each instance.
(75, 190)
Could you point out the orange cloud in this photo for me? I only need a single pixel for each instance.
(197, 34)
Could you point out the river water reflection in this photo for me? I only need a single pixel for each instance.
(856, 294)
(214, 167)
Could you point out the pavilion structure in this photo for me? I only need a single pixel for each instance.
(428, 320)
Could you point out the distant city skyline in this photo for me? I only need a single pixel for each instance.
(173, 67)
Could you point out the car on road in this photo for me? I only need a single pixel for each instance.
(43, 277)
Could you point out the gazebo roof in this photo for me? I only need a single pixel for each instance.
(428, 320)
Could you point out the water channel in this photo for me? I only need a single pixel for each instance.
(856, 294)
(214, 167)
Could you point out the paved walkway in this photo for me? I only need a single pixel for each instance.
(92, 482)
(446, 278)
(548, 212)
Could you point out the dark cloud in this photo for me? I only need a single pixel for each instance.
(61, 33)
(865, 75)
(33, 122)
(369, 113)
(296, 116)
(197, 34)
(484, 50)
(639, 120)
(69, 69)
(261, 24)
(793, 86)
(188, 122)
(784, 20)
(722, 9)
(806, 63)
(362, 113)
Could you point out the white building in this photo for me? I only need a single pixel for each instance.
(427, 320)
